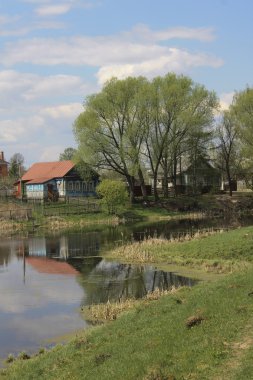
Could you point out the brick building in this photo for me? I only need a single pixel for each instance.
(3, 166)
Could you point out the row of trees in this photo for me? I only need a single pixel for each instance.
(163, 124)
(134, 123)
(235, 139)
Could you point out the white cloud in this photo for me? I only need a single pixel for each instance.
(42, 108)
(36, 1)
(70, 111)
(51, 153)
(17, 88)
(53, 10)
(48, 8)
(11, 130)
(37, 113)
(136, 47)
(177, 61)
(15, 26)
(5, 19)
(143, 32)
(55, 85)
(226, 99)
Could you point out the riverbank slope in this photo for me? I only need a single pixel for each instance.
(204, 332)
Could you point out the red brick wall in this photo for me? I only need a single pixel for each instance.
(3, 170)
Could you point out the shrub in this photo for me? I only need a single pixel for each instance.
(113, 195)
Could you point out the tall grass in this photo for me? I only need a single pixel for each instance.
(111, 310)
(212, 250)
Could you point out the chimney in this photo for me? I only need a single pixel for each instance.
(1, 156)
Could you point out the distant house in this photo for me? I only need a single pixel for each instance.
(201, 177)
(3, 166)
(53, 180)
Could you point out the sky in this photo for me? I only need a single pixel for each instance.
(54, 53)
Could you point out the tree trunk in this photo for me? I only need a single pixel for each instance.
(229, 179)
(175, 176)
(155, 187)
(142, 184)
(165, 182)
(130, 182)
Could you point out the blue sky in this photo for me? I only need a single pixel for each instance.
(53, 53)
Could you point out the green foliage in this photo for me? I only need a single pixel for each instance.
(228, 157)
(114, 195)
(134, 120)
(85, 171)
(16, 167)
(68, 154)
(242, 109)
(111, 130)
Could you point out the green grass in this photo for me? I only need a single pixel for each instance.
(222, 250)
(152, 340)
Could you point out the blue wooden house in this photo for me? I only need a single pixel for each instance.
(54, 180)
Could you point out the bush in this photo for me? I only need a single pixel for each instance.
(114, 195)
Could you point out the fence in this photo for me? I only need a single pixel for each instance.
(70, 209)
(16, 214)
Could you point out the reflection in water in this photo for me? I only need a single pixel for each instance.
(45, 279)
(114, 281)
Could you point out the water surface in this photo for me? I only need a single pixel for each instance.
(44, 280)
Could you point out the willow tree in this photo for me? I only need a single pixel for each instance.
(228, 133)
(242, 109)
(177, 107)
(110, 131)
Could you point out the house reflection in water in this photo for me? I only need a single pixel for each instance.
(61, 254)
(101, 280)
(51, 266)
(65, 246)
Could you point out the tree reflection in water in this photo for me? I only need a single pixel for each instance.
(114, 281)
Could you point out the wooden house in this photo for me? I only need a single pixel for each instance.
(54, 180)
(199, 177)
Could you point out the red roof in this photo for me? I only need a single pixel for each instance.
(39, 180)
(51, 266)
(44, 171)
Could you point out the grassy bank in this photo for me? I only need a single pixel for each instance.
(219, 251)
(205, 332)
(159, 339)
(69, 217)
(25, 216)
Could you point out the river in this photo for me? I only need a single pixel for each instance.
(46, 278)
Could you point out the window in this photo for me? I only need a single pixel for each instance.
(77, 186)
(70, 185)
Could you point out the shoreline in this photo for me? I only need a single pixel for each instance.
(207, 303)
